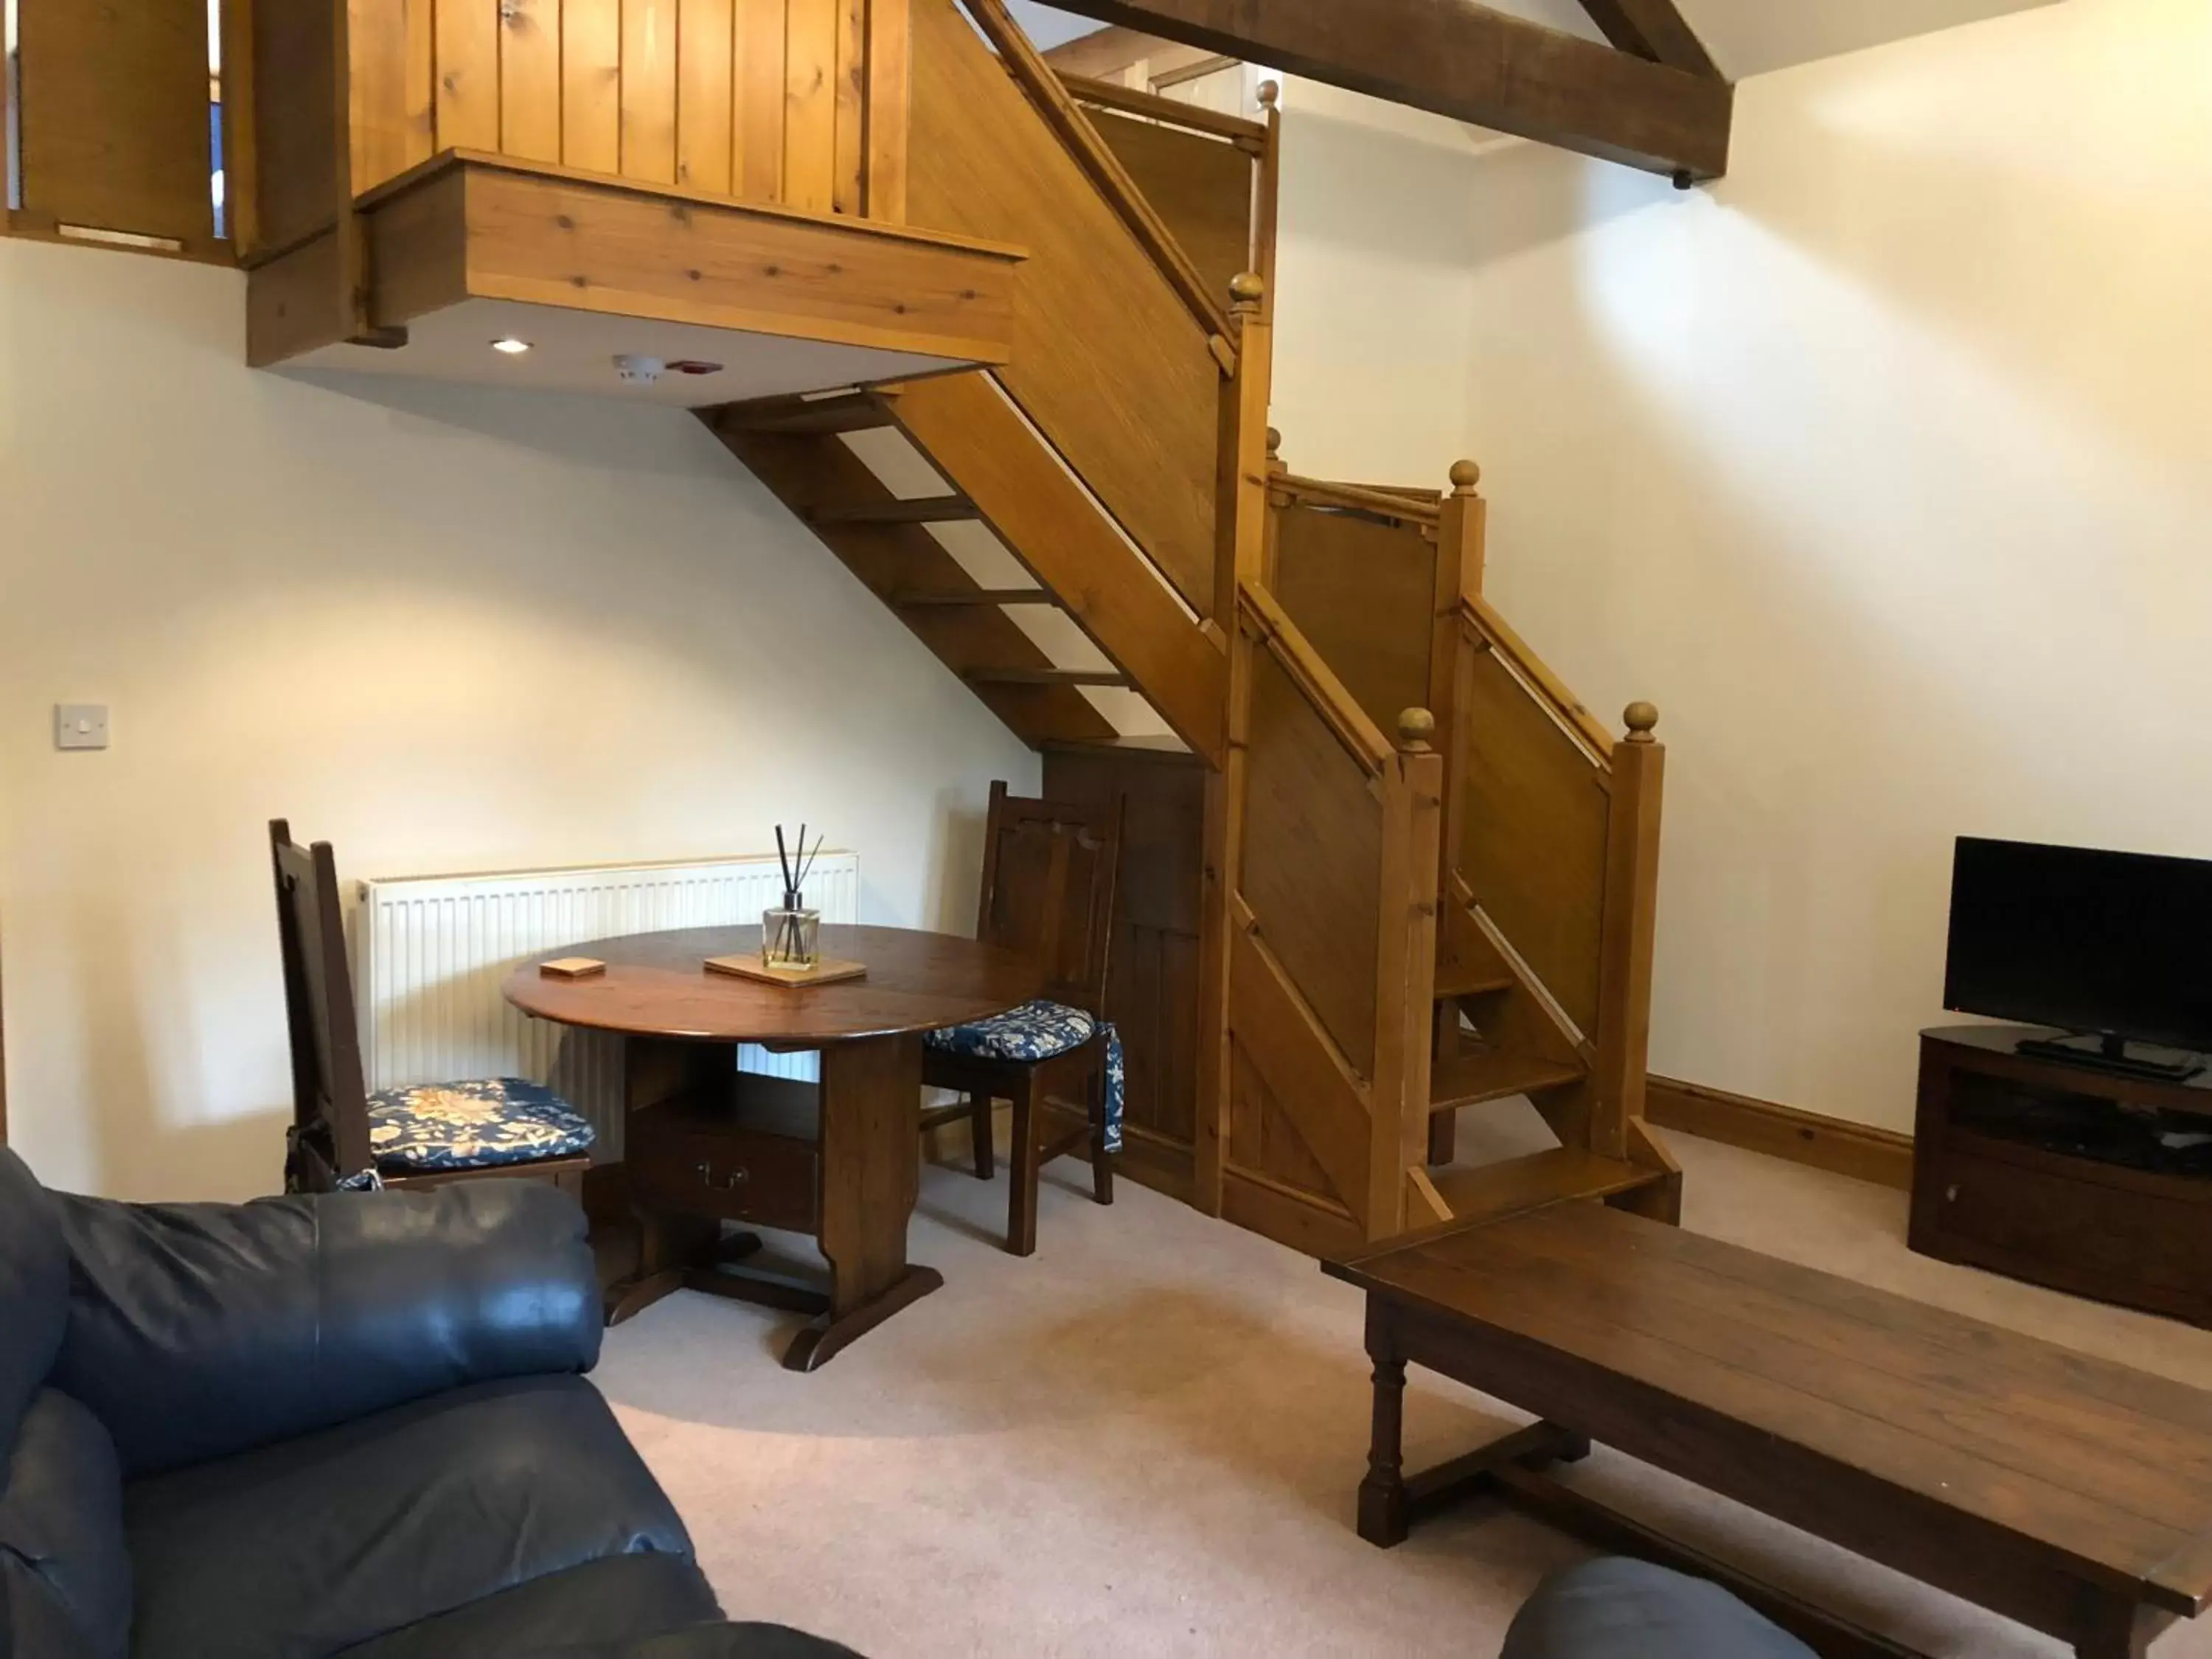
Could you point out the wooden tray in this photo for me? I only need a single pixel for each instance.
(828, 971)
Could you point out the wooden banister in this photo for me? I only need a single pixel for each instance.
(1169, 111)
(1492, 630)
(1406, 970)
(1240, 556)
(1627, 933)
(1405, 508)
(1065, 116)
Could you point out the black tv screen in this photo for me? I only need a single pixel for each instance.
(2118, 943)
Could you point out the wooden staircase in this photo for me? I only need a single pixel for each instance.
(1429, 871)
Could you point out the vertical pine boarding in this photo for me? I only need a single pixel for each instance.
(810, 123)
(849, 173)
(590, 85)
(704, 68)
(529, 79)
(467, 45)
(890, 99)
(648, 90)
(756, 164)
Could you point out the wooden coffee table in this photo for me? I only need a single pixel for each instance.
(690, 1163)
(2071, 1494)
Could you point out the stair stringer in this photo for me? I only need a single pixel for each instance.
(970, 430)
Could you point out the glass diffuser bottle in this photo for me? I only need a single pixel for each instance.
(791, 935)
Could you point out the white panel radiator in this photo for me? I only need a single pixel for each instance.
(433, 950)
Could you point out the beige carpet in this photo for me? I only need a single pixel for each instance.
(1145, 1440)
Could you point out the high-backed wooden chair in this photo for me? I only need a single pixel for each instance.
(1049, 870)
(419, 1135)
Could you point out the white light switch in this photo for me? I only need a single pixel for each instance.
(79, 726)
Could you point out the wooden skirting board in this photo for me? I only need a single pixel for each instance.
(1857, 1149)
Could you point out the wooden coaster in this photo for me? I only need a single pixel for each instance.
(573, 968)
(825, 972)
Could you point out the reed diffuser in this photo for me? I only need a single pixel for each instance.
(791, 935)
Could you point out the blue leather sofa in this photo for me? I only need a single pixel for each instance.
(1616, 1609)
(354, 1424)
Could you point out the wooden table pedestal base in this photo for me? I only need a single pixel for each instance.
(866, 1179)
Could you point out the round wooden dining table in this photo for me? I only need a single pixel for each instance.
(691, 1162)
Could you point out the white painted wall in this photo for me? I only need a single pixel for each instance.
(1884, 467)
(444, 629)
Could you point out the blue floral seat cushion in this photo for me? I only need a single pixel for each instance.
(1039, 1030)
(475, 1125)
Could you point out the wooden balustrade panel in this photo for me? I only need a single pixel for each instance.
(1313, 859)
(1362, 590)
(114, 117)
(1533, 842)
(1263, 1140)
(1200, 185)
(1106, 360)
(295, 122)
(762, 99)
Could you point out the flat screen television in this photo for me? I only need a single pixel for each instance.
(2115, 947)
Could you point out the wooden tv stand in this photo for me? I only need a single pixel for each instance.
(2019, 1167)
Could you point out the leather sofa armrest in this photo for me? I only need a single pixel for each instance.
(200, 1330)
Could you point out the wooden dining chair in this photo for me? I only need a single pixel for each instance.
(417, 1135)
(1049, 870)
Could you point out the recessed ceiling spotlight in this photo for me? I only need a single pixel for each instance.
(511, 346)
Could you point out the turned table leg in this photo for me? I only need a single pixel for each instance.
(1382, 1499)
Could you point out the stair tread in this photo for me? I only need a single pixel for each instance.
(923, 601)
(1492, 1191)
(859, 411)
(1459, 980)
(920, 509)
(1470, 1079)
(1104, 676)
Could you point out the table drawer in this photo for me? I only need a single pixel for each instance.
(2112, 1243)
(679, 1163)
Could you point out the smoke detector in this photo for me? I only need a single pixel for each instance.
(638, 371)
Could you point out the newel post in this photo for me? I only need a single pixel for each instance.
(1460, 529)
(1627, 931)
(1239, 558)
(1405, 969)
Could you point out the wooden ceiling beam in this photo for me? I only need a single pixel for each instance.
(1465, 61)
(1655, 29)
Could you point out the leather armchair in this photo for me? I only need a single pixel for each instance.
(352, 1423)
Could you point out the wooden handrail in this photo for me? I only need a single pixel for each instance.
(1169, 111)
(1492, 629)
(1073, 127)
(1408, 507)
(1315, 680)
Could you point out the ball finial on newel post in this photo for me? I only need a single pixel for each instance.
(1465, 475)
(1270, 91)
(1245, 292)
(1415, 727)
(1641, 718)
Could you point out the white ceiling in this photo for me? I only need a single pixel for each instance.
(574, 351)
(1745, 37)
